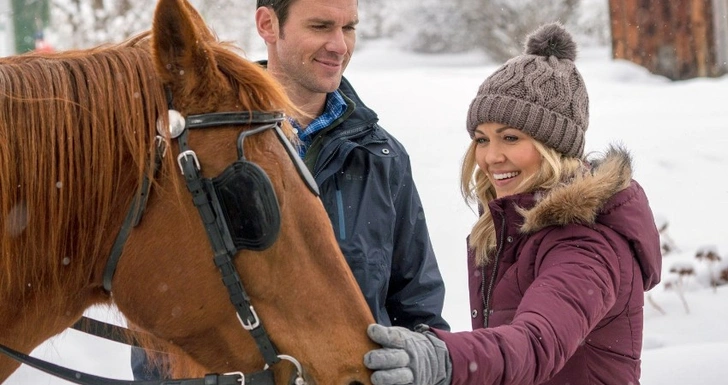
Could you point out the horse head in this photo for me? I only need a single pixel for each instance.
(300, 286)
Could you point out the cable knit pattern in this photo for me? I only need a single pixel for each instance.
(540, 92)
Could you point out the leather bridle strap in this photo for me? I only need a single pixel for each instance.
(81, 378)
(109, 331)
(133, 216)
(218, 119)
(223, 248)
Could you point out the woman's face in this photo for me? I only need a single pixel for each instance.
(506, 155)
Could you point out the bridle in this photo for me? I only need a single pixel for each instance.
(214, 198)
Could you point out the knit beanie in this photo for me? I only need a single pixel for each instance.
(540, 93)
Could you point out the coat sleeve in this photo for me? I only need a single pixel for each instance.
(416, 290)
(576, 279)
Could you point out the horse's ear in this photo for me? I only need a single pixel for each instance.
(179, 45)
(197, 19)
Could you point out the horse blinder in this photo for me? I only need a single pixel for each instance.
(246, 200)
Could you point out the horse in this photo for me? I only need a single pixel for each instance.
(80, 134)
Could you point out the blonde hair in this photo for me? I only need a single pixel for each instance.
(556, 168)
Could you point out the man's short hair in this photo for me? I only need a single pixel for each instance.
(280, 7)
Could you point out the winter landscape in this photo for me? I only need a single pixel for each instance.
(677, 133)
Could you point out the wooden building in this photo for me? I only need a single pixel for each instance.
(680, 39)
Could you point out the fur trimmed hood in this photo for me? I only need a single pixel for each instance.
(605, 195)
(583, 198)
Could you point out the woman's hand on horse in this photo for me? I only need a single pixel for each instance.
(407, 357)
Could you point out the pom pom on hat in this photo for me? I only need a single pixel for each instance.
(540, 93)
(551, 40)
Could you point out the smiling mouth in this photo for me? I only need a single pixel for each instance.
(506, 175)
(329, 63)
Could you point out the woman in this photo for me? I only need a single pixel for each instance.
(562, 251)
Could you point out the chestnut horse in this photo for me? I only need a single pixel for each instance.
(77, 141)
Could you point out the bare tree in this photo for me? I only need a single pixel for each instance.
(497, 27)
(87, 23)
(435, 26)
(591, 24)
(500, 27)
(232, 20)
(380, 18)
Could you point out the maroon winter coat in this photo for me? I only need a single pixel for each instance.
(567, 299)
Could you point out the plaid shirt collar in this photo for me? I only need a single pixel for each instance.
(333, 109)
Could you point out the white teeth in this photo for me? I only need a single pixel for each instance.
(505, 175)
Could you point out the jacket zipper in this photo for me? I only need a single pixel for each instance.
(487, 297)
(340, 209)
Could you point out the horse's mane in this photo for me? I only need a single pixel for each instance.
(69, 124)
(77, 135)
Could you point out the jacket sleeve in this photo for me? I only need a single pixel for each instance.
(416, 290)
(576, 279)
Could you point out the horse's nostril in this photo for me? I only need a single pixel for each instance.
(355, 383)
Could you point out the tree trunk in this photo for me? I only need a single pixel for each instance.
(680, 39)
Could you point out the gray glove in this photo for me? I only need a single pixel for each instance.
(408, 357)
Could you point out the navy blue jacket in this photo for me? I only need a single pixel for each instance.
(366, 185)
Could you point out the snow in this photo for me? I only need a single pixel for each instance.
(678, 135)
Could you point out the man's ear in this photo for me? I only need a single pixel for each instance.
(266, 22)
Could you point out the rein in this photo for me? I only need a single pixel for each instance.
(209, 196)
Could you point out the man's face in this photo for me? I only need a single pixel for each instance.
(314, 45)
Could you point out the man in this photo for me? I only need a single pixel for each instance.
(363, 173)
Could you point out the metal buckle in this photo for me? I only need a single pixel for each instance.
(161, 144)
(184, 155)
(242, 376)
(250, 326)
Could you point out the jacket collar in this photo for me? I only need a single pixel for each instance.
(606, 194)
(578, 201)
